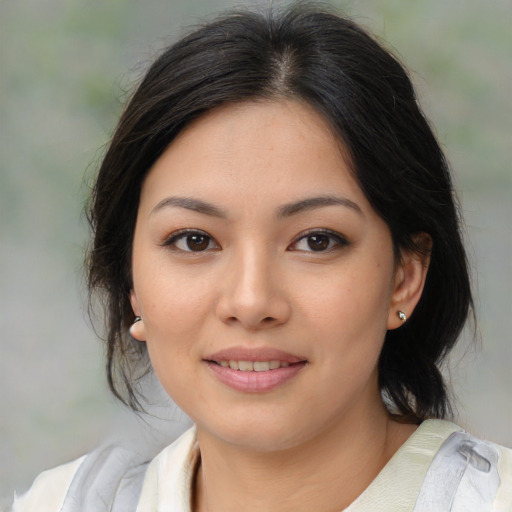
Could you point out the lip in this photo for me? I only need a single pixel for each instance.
(254, 354)
(255, 382)
(252, 381)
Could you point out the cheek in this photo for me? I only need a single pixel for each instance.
(175, 322)
(348, 314)
(174, 303)
(355, 298)
(174, 311)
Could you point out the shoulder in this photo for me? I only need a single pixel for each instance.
(110, 478)
(110, 474)
(472, 474)
(169, 478)
(49, 489)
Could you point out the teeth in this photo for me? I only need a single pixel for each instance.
(260, 366)
(245, 366)
(256, 366)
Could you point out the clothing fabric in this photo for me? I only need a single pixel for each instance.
(440, 468)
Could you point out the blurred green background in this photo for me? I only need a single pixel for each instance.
(65, 69)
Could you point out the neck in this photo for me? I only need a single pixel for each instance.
(326, 473)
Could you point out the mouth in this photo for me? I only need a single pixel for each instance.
(254, 366)
(254, 370)
(254, 358)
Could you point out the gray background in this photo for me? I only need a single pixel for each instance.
(65, 69)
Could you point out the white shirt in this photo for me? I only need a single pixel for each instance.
(439, 468)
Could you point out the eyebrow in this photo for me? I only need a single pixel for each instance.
(189, 203)
(284, 211)
(312, 203)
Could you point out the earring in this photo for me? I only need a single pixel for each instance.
(402, 316)
(132, 327)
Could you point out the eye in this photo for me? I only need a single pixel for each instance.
(318, 241)
(191, 241)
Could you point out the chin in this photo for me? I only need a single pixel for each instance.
(265, 441)
(262, 435)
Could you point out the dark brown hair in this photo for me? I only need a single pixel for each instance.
(312, 55)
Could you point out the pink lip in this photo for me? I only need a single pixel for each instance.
(255, 382)
(254, 354)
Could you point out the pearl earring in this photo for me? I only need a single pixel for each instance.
(132, 327)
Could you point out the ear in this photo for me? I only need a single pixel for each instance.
(137, 329)
(409, 280)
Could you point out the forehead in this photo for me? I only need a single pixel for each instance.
(259, 150)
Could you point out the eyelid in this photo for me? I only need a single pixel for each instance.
(338, 237)
(170, 240)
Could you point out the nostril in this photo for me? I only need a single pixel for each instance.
(252, 312)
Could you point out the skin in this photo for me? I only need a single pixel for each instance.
(319, 439)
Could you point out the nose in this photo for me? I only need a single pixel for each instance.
(251, 294)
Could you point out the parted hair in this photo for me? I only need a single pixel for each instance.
(308, 53)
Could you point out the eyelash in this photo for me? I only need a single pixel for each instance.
(335, 240)
(182, 234)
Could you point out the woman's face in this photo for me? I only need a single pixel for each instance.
(264, 278)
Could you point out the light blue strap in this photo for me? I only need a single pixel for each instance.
(463, 477)
(109, 480)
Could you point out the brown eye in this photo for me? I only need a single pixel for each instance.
(197, 242)
(318, 242)
(191, 241)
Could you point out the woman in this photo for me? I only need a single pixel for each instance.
(275, 227)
